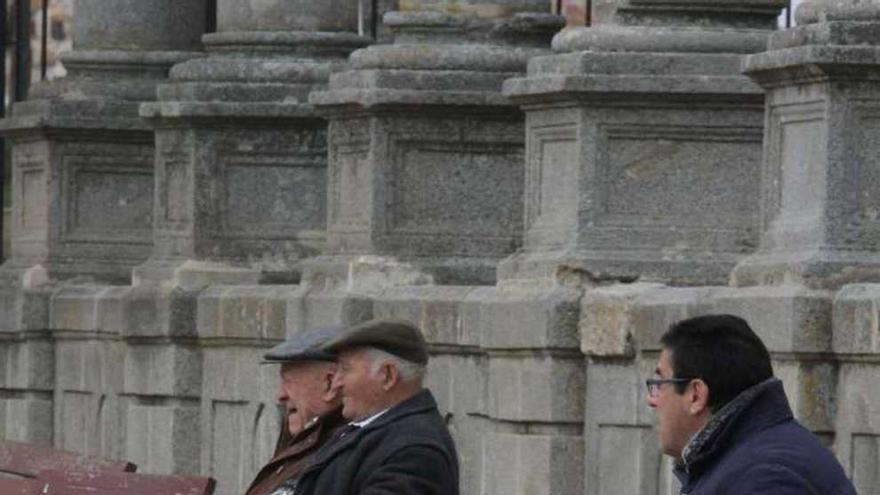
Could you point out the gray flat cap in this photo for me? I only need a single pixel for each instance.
(398, 337)
(305, 346)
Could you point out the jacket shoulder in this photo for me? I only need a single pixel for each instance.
(784, 455)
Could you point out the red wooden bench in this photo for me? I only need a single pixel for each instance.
(48, 471)
(26, 460)
(79, 483)
(21, 487)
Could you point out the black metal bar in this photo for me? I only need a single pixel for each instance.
(210, 16)
(588, 13)
(374, 19)
(788, 15)
(44, 41)
(22, 49)
(558, 7)
(4, 36)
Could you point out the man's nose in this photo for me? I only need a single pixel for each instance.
(652, 401)
(281, 395)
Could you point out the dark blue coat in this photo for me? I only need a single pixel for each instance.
(406, 451)
(761, 449)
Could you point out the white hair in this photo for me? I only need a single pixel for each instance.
(407, 370)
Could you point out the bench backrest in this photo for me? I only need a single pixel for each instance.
(27, 460)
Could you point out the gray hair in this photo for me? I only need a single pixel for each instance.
(407, 370)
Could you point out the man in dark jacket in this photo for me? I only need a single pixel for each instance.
(312, 406)
(396, 443)
(725, 418)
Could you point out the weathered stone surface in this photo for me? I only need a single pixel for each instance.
(621, 450)
(22, 307)
(309, 308)
(536, 388)
(480, 9)
(82, 208)
(240, 421)
(256, 313)
(788, 319)
(523, 318)
(82, 158)
(153, 369)
(28, 420)
(86, 402)
(819, 221)
(460, 385)
(638, 107)
(139, 24)
(640, 149)
(172, 430)
(858, 431)
(286, 15)
(420, 124)
(421, 163)
(437, 311)
(29, 364)
(535, 463)
(251, 194)
(811, 388)
(857, 319)
(606, 325)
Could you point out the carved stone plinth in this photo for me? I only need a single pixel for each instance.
(241, 156)
(82, 157)
(644, 146)
(425, 153)
(820, 203)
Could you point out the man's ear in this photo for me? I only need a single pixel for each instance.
(699, 397)
(330, 392)
(392, 376)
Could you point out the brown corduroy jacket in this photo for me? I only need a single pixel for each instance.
(292, 453)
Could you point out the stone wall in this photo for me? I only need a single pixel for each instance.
(542, 206)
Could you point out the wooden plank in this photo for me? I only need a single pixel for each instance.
(80, 482)
(36, 487)
(27, 460)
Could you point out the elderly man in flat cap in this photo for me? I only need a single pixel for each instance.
(396, 441)
(312, 406)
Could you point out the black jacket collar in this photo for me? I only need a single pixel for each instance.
(417, 404)
(757, 408)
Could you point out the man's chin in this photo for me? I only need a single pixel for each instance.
(295, 423)
(349, 414)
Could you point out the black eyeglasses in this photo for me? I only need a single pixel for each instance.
(654, 384)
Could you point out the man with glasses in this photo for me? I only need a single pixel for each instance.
(726, 421)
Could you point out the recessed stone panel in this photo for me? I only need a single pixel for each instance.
(350, 186)
(176, 185)
(30, 421)
(865, 455)
(109, 198)
(552, 191)
(78, 421)
(802, 178)
(232, 428)
(34, 212)
(467, 188)
(694, 177)
(533, 464)
(628, 460)
(270, 200)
